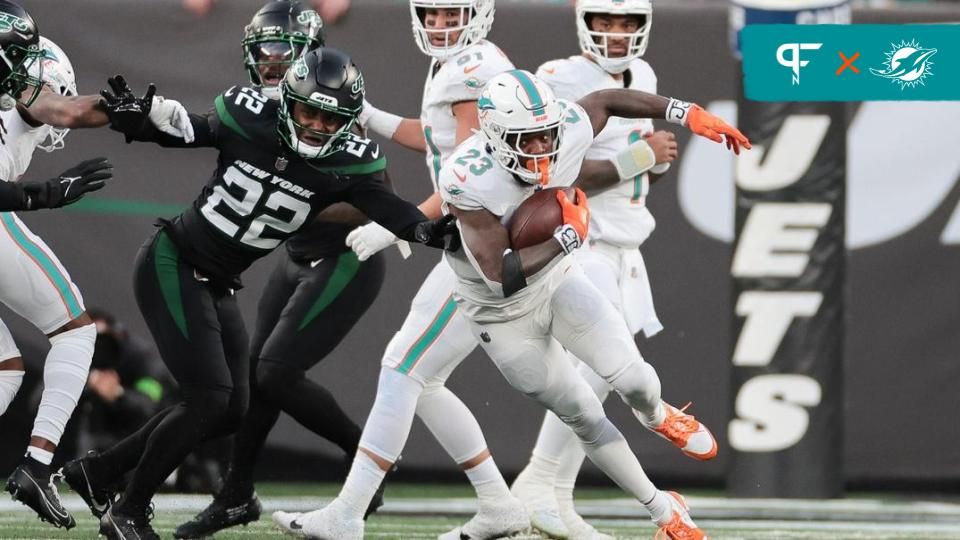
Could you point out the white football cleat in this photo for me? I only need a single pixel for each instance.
(541, 505)
(289, 522)
(493, 520)
(578, 527)
(328, 523)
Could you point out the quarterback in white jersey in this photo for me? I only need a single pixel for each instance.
(38, 103)
(527, 306)
(434, 337)
(613, 37)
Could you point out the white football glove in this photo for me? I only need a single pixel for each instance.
(368, 240)
(169, 116)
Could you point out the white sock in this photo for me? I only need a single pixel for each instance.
(660, 508)
(545, 459)
(362, 482)
(488, 482)
(10, 382)
(612, 455)
(39, 454)
(567, 472)
(64, 378)
(655, 417)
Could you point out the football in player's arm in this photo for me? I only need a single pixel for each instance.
(486, 238)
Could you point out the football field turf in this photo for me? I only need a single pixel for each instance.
(421, 512)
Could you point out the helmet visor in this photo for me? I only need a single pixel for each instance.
(268, 59)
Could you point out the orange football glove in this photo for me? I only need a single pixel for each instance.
(712, 127)
(576, 214)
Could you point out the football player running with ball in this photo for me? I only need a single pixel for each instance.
(434, 338)
(264, 190)
(315, 294)
(527, 305)
(613, 38)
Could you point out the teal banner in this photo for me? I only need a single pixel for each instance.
(858, 62)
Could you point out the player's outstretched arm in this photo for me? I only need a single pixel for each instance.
(603, 104)
(67, 188)
(372, 238)
(372, 197)
(152, 118)
(73, 112)
(403, 131)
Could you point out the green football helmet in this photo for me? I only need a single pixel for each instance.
(278, 34)
(327, 88)
(20, 57)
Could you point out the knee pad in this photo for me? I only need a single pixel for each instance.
(275, 378)
(10, 382)
(391, 417)
(64, 378)
(638, 386)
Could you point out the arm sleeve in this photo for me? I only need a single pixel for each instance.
(372, 197)
(11, 197)
(204, 132)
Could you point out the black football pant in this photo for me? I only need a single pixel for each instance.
(202, 340)
(305, 311)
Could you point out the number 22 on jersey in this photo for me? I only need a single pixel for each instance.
(235, 208)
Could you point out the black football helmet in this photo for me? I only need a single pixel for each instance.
(20, 53)
(278, 34)
(324, 79)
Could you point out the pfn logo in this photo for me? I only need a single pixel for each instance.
(794, 62)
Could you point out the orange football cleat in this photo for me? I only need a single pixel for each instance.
(680, 526)
(686, 433)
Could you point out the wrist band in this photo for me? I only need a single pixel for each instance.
(677, 111)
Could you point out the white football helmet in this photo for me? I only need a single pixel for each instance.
(56, 72)
(594, 44)
(476, 18)
(515, 103)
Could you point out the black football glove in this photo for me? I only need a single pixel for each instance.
(439, 233)
(70, 186)
(128, 113)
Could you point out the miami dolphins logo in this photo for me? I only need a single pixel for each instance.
(907, 64)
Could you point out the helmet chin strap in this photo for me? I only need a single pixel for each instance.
(270, 92)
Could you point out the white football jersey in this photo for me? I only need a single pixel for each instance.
(18, 140)
(619, 215)
(472, 180)
(459, 78)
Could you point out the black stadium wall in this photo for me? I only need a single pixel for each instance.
(902, 350)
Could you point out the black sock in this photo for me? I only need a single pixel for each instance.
(175, 436)
(249, 441)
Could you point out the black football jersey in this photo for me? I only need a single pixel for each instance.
(262, 193)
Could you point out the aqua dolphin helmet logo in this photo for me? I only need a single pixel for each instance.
(907, 64)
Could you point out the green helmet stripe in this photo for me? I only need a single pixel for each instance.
(531, 89)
